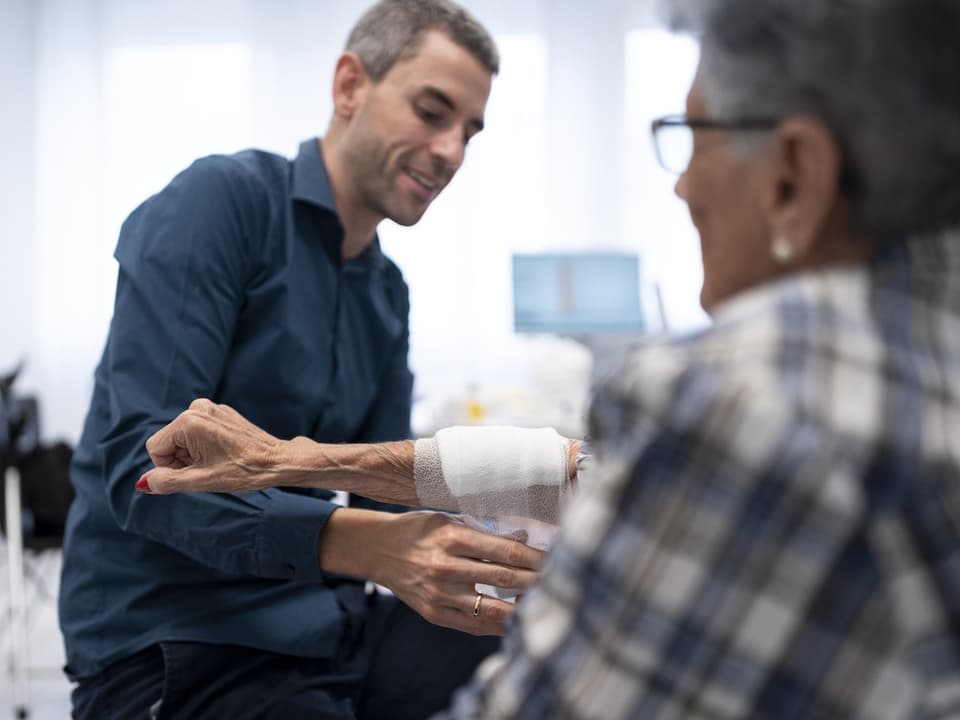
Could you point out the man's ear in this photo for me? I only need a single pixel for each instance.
(803, 183)
(350, 82)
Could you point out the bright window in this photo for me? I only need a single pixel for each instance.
(659, 69)
(163, 107)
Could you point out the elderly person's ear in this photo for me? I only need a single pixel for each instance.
(804, 187)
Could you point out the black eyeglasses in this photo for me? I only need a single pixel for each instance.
(673, 136)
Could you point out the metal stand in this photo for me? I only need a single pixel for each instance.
(18, 603)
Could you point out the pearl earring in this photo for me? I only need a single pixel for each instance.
(781, 249)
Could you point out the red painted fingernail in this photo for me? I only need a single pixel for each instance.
(143, 485)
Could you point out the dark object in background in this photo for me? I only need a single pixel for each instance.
(46, 495)
(46, 491)
(19, 421)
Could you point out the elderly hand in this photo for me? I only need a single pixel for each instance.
(211, 447)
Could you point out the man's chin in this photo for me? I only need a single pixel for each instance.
(407, 218)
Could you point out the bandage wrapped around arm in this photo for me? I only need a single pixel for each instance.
(502, 474)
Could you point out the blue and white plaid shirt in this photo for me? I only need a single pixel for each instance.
(774, 526)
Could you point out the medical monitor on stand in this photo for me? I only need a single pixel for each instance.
(593, 297)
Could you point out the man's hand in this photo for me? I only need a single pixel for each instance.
(432, 564)
(211, 447)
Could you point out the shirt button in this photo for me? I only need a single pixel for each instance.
(331, 401)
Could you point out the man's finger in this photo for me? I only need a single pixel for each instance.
(491, 620)
(481, 546)
(521, 536)
(467, 571)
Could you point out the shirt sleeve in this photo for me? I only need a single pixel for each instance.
(690, 579)
(185, 258)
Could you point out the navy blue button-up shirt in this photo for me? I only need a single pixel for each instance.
(230, 287)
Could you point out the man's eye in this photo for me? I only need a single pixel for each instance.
(428, 115)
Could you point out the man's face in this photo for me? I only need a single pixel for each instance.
(409, 135)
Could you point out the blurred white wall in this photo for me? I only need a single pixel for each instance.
(104, 100)
(17, 212)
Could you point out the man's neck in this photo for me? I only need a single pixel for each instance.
(359, 224)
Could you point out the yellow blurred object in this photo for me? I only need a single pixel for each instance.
(475, 411)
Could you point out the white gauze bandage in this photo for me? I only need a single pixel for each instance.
(494, 472)
(506, 481)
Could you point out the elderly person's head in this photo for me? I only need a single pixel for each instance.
(821, 130)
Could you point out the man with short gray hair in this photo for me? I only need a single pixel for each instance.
(260, 282)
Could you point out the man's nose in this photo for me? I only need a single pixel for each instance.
(449, 147)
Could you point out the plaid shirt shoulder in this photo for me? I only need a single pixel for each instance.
(772, 528)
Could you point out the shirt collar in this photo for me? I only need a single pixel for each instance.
(311, 184)
(310, 180)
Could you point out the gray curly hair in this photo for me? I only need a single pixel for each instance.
(882, 75)
(392, 30)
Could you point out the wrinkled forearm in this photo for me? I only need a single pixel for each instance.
(382, 471)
